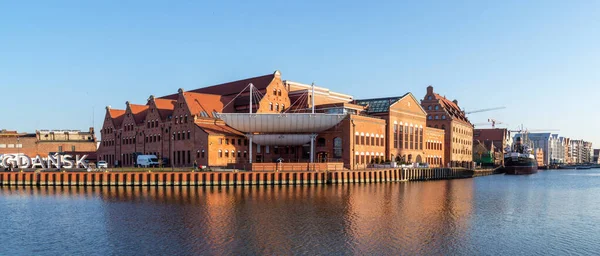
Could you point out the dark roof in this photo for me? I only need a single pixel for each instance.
(378, 105)
(232, 88)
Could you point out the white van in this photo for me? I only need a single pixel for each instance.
(147, 161)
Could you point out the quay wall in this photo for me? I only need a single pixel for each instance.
(231, 178)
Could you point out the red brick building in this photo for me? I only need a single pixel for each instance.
(45, 142)
(447, 115)
(197, 126)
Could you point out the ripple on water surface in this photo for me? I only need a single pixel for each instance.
(552, 212)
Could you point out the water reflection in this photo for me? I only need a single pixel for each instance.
(470, 216)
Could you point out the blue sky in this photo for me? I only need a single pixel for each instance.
(61, 61)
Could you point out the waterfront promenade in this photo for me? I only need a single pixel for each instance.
(81, 178)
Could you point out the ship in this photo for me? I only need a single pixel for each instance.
(520, 159)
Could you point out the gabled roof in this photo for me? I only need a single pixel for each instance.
(232, 88)
(165, 107)
(452, 109)
(379, 105)
(117, 116)
(139, 112)
(217, 128)
(203, 105)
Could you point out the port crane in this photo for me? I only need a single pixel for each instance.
(491, 122)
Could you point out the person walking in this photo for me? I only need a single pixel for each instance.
(195, 165)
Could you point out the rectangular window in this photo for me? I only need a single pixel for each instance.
(395, 136)
(245, 142)
(189, 135)
(60, 149)
(221, 141)
(226, 141)
(357, 159)
(72, 148)
(421, 138)
(362, 140)
(406, 137)
(239, 154)
(411, 138)
(258, 149)
(232, 141)
(357, 140)
(266, 149)
(239, 141)
(189, 157)
(220, 154)
(202, 154)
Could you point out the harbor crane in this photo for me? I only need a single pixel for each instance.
(482, 110)
(491, 122)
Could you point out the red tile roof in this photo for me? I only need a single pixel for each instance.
(200, 103)
(139, 112)
(117, 116)
(452, 109)
(165, 107)
(217, 128)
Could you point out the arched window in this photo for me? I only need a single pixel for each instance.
(443, 127)
(271, 106)
(429, 117)
(275, 92)
(220, 153)
(437, 107)
(436, 126)
(226, 153)
(282, 107)
(279, 92)
(429, 97)
(337, 147)
(277, 107)
(437, 117)
(443, 117)
(429, 107)
(321, 142)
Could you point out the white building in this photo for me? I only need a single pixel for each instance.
(543, 141)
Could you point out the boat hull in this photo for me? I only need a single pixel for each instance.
(520, 170)
(521, 166)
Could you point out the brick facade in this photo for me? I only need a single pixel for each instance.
(184, 128)
(44, 143)
(446, 115)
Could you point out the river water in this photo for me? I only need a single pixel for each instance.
(549, 213)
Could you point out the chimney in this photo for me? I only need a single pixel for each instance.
(455, 102)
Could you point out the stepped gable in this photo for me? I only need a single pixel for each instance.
(165, 107)
(139, 112)
(117, 115)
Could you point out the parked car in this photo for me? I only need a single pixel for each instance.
(102, 164)
(147, 161)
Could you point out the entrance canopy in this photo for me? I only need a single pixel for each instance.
(281, 123)
(281, 139)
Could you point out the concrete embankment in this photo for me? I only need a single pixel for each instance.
(231, 178)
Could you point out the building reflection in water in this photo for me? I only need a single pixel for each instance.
(418, 217)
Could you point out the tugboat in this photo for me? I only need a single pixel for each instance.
(520, 160)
